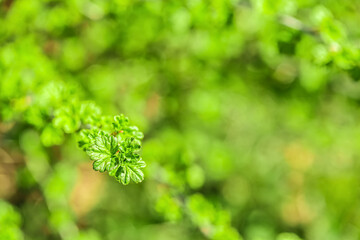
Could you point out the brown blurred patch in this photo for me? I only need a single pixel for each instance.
(7, 175)
(5, 127)
(6, 5)
(206, 231)
(298, 156)
(285, 72)
(87, 190)
(296, 211)
(152, 106)
(51, 48)
(296, 180)
(7, 186)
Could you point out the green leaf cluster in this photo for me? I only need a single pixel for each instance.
(116, 152)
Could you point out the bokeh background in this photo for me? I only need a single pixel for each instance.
(250, 110)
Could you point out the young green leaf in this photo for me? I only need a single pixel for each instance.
(104, 148)
(131, 170)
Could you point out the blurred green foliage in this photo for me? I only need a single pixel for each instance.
(10, 221)
(249, 110)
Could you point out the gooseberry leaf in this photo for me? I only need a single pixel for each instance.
(131, 171)
(102, 150)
